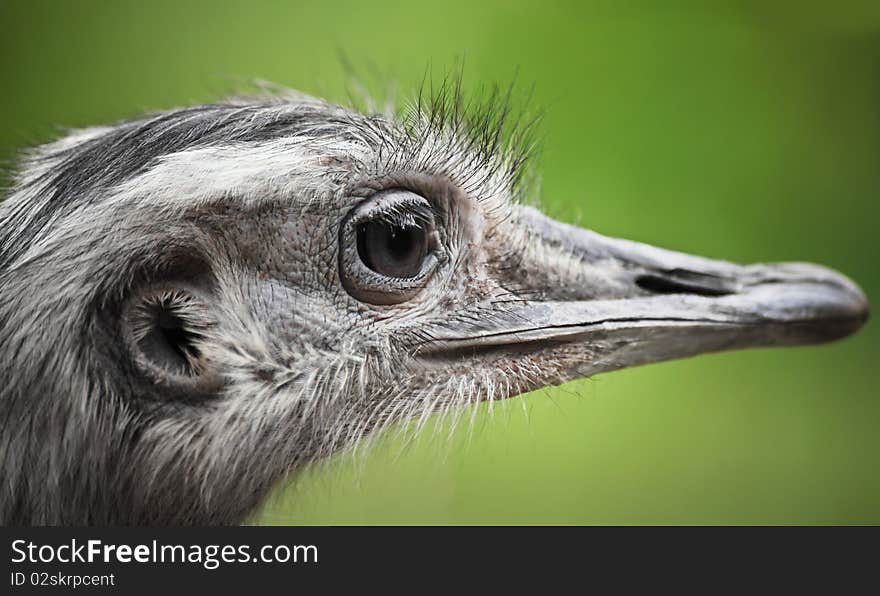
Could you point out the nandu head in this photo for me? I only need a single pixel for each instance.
(197, 303)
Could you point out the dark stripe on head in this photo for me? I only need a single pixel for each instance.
(80, 172)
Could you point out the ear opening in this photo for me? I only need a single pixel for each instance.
(168, 330)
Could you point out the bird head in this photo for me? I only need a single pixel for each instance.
(199, 302)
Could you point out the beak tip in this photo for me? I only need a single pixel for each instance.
(852, 309)
(857, 306)
(862, 309)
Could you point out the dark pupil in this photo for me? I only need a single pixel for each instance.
(392, 250)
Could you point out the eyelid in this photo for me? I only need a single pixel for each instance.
(406, 221)
(405, 212)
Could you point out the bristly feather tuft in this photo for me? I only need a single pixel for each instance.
(482, 136)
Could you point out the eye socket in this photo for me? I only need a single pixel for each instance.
(389, 247)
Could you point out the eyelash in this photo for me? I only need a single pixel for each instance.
(393, 215)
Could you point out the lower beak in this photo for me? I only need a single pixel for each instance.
(633, 304)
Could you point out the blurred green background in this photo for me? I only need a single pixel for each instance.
(747, 131)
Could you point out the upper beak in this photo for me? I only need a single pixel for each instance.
(632, 303)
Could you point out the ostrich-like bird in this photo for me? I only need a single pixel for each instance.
(197, 303)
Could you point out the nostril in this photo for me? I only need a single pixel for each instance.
(682, 281)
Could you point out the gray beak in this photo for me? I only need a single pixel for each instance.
(631, 303)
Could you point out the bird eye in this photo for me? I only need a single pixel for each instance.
(389, 247)
(392, 249)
